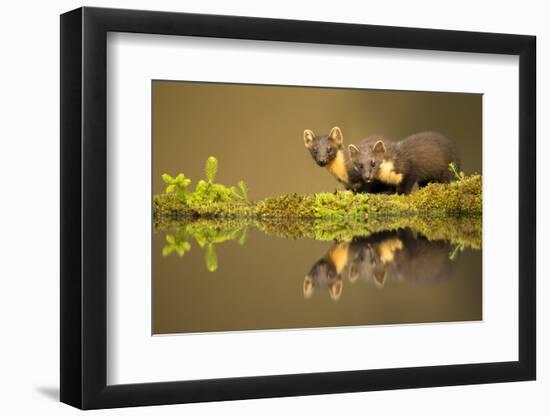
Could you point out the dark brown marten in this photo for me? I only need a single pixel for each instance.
(420, 158)
(329, 151)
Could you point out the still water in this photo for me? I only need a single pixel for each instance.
(220, 276)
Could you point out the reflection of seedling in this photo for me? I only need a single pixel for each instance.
(207, 236)
(459, 175)
(242, 239)
(459, 247)
(176, 244)
(178, 185)
(211, 257)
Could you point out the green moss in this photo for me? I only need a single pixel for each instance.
(208, 199)
(456, 198)
(169, 206)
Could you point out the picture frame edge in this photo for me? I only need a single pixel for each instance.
(83, 181)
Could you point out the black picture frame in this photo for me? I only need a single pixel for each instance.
(84, 207)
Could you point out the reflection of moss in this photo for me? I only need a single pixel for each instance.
(459, 197)
(463, 231)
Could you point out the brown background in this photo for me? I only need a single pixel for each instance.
(256, 131)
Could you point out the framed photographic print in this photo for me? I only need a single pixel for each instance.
(257, 207)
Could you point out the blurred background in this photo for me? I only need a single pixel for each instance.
(255, 131)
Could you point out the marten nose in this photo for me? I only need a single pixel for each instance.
(322, 162)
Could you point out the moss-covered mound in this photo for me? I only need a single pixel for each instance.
(457, 198)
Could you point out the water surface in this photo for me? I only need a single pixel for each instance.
(215, 276)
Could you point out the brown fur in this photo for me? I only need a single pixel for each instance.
(420, 158)
(329, 151)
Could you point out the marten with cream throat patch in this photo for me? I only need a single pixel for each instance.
(328, 151)
(420, 158)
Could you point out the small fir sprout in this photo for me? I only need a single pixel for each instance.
(178, 185)
(211, 169)
(244, 189)
(459, 175)
(206, 191)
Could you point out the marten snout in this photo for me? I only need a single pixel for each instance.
(367, 173)
(368, 177)
(322, 162)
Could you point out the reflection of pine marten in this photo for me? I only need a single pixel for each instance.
(371, 257)
(401, 255)
(423, 158)
(328, 151)
(388, 256)
(327, 272)
(423, 262)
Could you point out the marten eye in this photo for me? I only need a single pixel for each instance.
(372, 163)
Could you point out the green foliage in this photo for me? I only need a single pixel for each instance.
(456, 198)
(208, 195)
(178, 185)
(243, 189)
(211, 169)
(459, 175)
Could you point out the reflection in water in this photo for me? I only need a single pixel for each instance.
(242, 274)
(207, 235)
(389, 256)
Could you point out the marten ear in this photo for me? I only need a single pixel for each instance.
(335, 290)
(308, 287)
(309, 136)
(380, 278)
(379, 147)
(353, 151)
(336, 136)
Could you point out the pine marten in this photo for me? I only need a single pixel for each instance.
(329, 151)
(420, 158)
